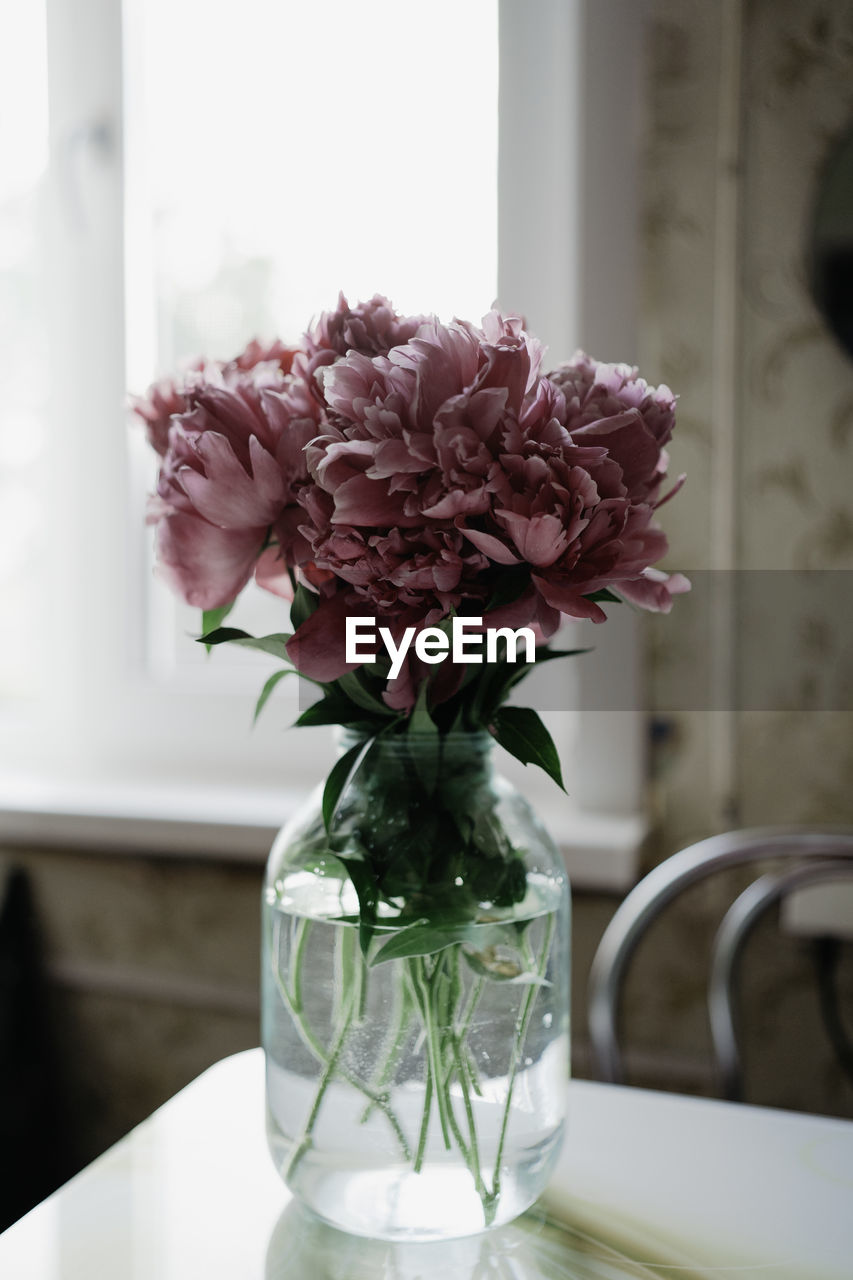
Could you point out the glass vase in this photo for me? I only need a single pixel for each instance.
(415, 995)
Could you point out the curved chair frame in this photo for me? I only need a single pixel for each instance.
(737, 924)
(648, 898)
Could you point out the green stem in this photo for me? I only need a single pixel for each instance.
(473, 1154)
(345, 972)
(521, 1025)
(471, 1004)
(462, 1144)
(445, 991)
(424, 1129)
(463, 1060)
(326, 1078)
(302, 931)
(314, 1047)
(423, 984)
(397, 1035)
(465, 1026)
(438, 996)
(411, 978)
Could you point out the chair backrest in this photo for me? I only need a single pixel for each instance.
(816, 855)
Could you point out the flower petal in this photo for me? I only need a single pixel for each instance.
(226, 494)
(653, 590)
(362, 501)
(490, 546)
(569, 600)
(208, 566)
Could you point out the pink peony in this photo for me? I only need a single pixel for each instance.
(275, 353)
(370, 328)
(167, 398)
(162, 401)
(611, 405)
(231, 435)
(403, 466)
(450, 456)
(416, 433)
(228, 484)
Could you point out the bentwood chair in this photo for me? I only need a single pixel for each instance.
(808, 857)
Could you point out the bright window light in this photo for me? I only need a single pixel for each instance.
(284, 152)
(24, 353)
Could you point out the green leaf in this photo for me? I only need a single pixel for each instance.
(350, 685)
(304, 604)
(503, 964)
(520, 731)
(423, 938)
(420, 720)
(212, 619)
(339, 778)
(604, 596)
(379, 669)
(274, 644)
(333, 709)
(509, 675)
(325, 711)
(268, 688)
(364, 883)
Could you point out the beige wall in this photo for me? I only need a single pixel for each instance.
(745, 101)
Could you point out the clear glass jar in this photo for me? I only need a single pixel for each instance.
(417, 1068)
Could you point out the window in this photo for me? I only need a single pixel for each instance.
(24, 342)
(218, 169)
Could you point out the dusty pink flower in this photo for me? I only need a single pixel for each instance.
(612, 406)
(416, 433)
(275, 353)
(410, 446)
(393, 570)
(402, 466)
(454, 440)
(567, 515)
(162, 401)
(228, 484)
(168, 397)
(370, 328)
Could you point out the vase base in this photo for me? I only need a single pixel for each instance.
(439, 1203)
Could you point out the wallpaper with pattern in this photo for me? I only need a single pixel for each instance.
(745, 102)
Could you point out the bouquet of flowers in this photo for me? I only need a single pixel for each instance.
(415, 486)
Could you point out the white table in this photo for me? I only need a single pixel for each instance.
(649, 1185)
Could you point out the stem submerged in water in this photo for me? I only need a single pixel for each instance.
(447, 1013)
(432, 989)
(395, 1040)
(490, 1203)
(292, 1000)
(349, 1006)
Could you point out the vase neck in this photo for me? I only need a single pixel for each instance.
(461, 748)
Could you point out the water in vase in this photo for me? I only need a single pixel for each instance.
(416, 1097)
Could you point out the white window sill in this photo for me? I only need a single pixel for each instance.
(239, 824)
